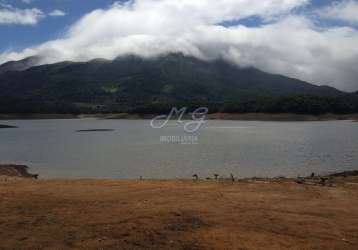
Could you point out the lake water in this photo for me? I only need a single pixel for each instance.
(53, 148)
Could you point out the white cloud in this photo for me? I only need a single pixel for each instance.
(346, 10)
(57, 13)
(289, 44)
(27, 1)
(11, 15)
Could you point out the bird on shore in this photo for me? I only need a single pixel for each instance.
(232, 177)
(216, 176)
(196, 177)
(300, 180)
(323, 181)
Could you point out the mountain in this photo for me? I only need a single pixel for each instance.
(134, 84)
(19, 65)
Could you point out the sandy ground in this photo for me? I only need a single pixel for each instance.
(110, 214)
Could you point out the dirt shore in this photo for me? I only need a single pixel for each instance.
(178, 214)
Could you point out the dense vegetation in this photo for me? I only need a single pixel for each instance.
(134, 85)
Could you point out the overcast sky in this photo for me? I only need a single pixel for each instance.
(313, 40)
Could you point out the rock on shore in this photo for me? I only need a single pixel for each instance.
(16, 171)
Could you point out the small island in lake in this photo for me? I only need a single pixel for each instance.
(94, 130)
(6, 126)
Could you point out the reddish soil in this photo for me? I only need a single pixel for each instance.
(112, 214)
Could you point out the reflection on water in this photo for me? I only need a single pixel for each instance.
(129, 149)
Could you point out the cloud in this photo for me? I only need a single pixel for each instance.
(27, 1)
(286, 42)
(57, 13)
(11, 15)
(346, 10)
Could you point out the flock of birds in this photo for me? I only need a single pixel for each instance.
(216, 176)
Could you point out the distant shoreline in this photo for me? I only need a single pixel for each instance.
(22, 171)
(213, 116)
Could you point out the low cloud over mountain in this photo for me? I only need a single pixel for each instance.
(286, 36)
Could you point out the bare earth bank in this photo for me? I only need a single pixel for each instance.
(178, 214)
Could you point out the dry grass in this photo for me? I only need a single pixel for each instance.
(105, 214)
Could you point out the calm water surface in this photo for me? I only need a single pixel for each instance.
(53, 148)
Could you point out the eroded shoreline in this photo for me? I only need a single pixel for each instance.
(22, 171)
